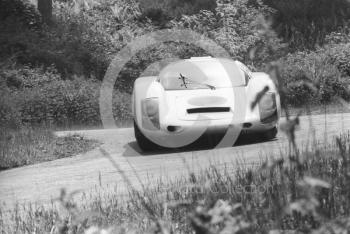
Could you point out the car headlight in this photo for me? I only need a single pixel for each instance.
(150, 113)
(268, 108)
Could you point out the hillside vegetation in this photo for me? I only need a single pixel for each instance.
(303, 192)
(51, 74)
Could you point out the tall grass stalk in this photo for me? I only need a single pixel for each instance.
(280, 194)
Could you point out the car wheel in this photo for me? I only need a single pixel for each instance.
(270, 134)
(144, 143)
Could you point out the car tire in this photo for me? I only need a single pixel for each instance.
(144, 143)
(270, 134)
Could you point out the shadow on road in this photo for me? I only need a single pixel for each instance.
(207, 143)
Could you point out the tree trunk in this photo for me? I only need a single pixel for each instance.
(45, 9)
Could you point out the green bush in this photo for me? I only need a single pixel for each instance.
(160, 11)
(21, 11)
(305, 23)
(75, 43)
(312, 78)
(69, 103)
(43, 97)
(10, 115)
(340, 56)
(233, 25)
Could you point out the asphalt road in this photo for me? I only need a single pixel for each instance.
(93, 171)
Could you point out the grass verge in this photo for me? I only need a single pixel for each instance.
(27, 146)
(301, 192)
(333, 108)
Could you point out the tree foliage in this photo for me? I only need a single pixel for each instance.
(45, 9)
(233, 25)
(162, 11)
(305, 23)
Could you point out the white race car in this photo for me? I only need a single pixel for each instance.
(203, 96)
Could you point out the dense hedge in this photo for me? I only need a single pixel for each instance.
(20, 11)
(340, 56)
(37, 96)
(313, 77)
(306, 23)
(73, 43)
(162, 11)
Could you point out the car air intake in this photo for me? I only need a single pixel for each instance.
(208, 110)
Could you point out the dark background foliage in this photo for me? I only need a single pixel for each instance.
(305, 23)
(162, 11)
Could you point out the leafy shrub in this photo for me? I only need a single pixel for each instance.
(82, 40)
(76, 43)
(305, 23)
(69, 102)
(21, 11)
(312, 78)
(10, 115)
(338, 37)
(158, 16)
(233, 26)
(340, 56)
(160, 11)
(42, 96)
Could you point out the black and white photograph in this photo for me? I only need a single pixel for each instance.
(174, 116)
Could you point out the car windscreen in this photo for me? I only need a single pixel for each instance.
(202, 74)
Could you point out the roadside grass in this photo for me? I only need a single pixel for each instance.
(120, 123)
(30, 145)
(334, 108)
(304, 191)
